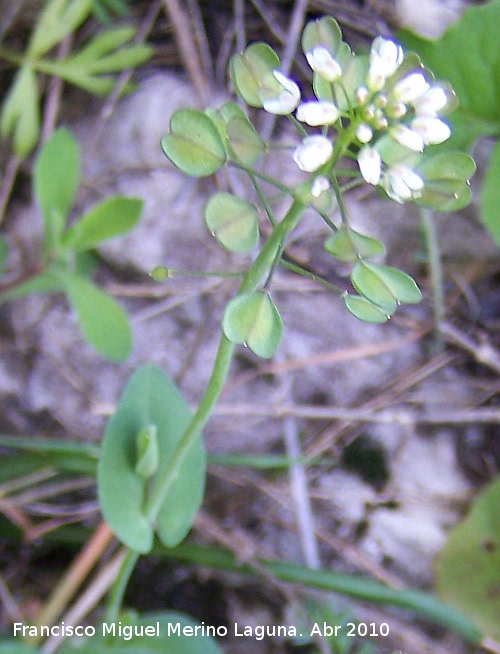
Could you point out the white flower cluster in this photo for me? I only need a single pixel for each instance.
(406, 108)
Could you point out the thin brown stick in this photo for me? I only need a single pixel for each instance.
(54, 93)
(75, 575)
(187, 48)
(124, 77)
(388, 416)
(89, 599)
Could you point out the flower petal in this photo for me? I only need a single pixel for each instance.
(431, 130)
(370, 165)
(312, 153)
(317, 113)
(322, 62)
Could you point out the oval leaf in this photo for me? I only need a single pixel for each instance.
(20, 113)
(249, 69)
(55, 181)
(102, 321)
(244, 142)
(369, 284)
(232, 221)
(150, 398)
(401, 285)
(252, 319)
(365, 310)
(108, 219)
(348, 245)
(474, 545)
(194, 144)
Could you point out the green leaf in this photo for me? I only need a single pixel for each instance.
(323, 31)
(194, 144)
(446, 176)
(468, 568)
(401, 285)
(102, 321)
(348, 245)
(46, 282)
(20, 118)
(490, 195)
(102, 44)
(232, 221)
(55, 181)
(150, 398)
(244, 142)
(368, 283)
(106, 220)
(58, 19)
(365, 310)
(253, 320)
(250, 69)
(147, 451)
(91, 67)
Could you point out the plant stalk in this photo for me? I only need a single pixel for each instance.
(261, 266)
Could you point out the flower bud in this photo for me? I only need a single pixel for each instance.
(364, 133)
(431, 130)
(402, 183)
(431, 102)
(396, 110)
(410, 88)
(362, 95)
(312, 153)
(322, 62)
(317, 113)
(370, 165)
(285, 100)
(319, 186)
(385, 58)
(408, 137)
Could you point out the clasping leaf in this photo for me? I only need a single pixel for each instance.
(253, 320)
(194, 144)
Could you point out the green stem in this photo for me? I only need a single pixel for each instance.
(262, 264)
(118, 591)
(435, 268)
(310, 275)
(340, 199)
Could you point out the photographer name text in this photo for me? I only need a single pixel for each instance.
(178, 629)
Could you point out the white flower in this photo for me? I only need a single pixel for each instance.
(431, 130)
(430, 102)
(402, 183)
(409, 88)
(287, 99)
(370, 165)
(317, 113)
(385, 58)
(364, 133)
(320, 185)
(312, 153)
(322, 62)
(408, 137)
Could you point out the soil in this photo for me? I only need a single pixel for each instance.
(387, 483)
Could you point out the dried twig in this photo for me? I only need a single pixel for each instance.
(189, 54)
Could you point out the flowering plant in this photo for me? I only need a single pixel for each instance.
(383, 109)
